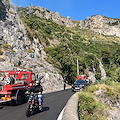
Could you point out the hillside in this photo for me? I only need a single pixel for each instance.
(17, 52)
(64, 45)
(38, 40)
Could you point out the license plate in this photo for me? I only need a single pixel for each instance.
(77, 88)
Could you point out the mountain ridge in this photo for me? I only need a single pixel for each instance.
(98, 23)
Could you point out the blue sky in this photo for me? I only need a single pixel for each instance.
(76, 9)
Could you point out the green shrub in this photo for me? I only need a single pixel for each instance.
(5, 46)
(111, 92)
(98, 75)
(92, 88)
(49, 36)
(1, 52)
(114, 23)
(16, 65)
(89, 108)
(30, 51)
(41, 65)
(20, 31)
(7, 0)
(47, 30)
(13, 50)
(118, 87)
(112, 83)
(107, 81)
(11, 12)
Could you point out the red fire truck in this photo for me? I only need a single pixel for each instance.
(13, 85)
(81, 77)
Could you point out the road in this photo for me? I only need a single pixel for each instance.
(52, 106)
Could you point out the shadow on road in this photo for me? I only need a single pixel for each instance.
(1, 107)
(45, 109)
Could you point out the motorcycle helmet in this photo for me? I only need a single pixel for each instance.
(37, 82)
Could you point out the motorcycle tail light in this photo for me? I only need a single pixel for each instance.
(36, 102)
(30, 103)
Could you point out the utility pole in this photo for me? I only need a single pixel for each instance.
(77, 67)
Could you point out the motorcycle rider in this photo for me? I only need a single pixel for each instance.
(37, 89)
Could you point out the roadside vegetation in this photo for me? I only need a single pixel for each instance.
(73, 43)
(97, 99)
(1, 52)
(89, 108)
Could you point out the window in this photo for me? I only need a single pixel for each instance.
(24, 76)
(2, 75)
(13, 77)
(33, 77)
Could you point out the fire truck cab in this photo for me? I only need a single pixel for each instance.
(13, 85)
(81, 77)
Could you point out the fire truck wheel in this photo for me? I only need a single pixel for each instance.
(19, 98)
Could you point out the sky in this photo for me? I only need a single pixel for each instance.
(76, 9)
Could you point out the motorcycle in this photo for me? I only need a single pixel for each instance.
(33, 104)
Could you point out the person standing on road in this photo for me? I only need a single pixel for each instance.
(64, 83)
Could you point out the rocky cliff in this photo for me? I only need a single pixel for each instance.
(19, 53)
(102, 25)
(48, 14)
(98, 23)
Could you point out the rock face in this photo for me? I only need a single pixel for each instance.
(44, 13)
(102, 25)
(19, 53)
(98, 23)
(4, 7)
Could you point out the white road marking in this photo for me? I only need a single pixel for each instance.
(60, 115)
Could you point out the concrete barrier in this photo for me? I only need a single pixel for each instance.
(71, 109)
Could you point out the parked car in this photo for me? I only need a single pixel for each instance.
(78, 84)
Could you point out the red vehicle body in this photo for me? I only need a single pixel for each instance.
(13, 85)
(81, 77)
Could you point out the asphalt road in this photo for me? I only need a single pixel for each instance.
(52, 106)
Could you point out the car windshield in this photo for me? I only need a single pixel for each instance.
(79, 82)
